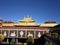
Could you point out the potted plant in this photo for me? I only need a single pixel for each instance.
(30, 40)
(1, 38)
(13, 42)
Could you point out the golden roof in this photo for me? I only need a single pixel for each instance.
(28, 21)
(48, 24)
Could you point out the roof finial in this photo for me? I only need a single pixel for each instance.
(30, 17)
(27, 16)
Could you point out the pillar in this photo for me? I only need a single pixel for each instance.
(16, 40)
(26, 33)
(7, 40)
(34, 34)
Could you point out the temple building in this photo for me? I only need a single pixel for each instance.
(23, 28)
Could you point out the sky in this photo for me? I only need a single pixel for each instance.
(39, 10)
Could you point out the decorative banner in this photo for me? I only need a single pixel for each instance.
(30, 33)
(5, 33)
(21, 34)
(13, 33)
(38, 34)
